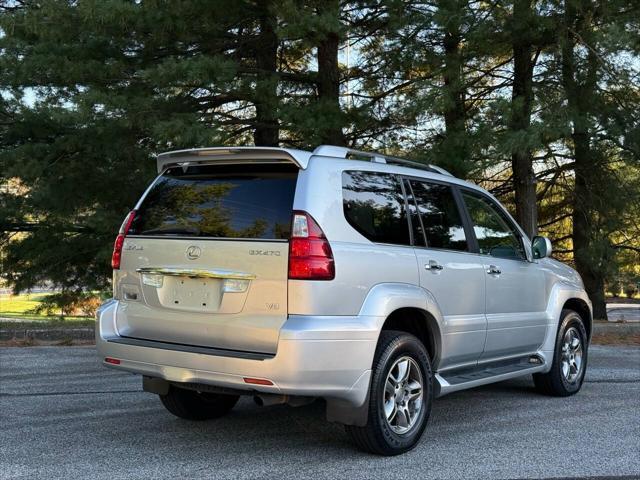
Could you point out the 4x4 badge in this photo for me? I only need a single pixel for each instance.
(193, 252)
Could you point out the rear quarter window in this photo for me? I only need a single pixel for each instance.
(374, 205)
(231, 201)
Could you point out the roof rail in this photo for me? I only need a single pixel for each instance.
(344, 152)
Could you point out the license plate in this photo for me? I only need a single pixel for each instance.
(183, 293)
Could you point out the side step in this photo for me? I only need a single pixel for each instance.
(483, 374)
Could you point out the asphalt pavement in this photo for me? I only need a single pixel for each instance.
(64, 416)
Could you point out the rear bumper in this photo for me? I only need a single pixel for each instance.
(327, 357)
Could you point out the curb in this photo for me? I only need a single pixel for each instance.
(617, 328)
(48, 334)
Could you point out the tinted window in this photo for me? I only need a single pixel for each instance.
(374, 205)
(494, 232)
(441, 220)
(237, 201)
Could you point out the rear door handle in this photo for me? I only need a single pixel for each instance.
(493, 270)
(433, 265)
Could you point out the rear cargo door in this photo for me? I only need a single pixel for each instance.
(205, 261)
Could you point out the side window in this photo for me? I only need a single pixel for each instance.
(496, 236)
(441, 220)
(374, 205)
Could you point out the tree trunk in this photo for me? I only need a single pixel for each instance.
(524, 179)
(587, 265)
(329, 79)
(267, 129)
(454, 113)
(455, 152)
(592, 267)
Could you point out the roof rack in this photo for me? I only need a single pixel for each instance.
(344, 152)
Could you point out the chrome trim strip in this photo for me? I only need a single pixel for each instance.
(196, 273)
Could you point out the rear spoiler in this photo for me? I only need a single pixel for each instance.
(229, 155)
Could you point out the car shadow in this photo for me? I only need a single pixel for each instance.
(273, 429)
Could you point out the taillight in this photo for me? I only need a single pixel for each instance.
(310, 255)
(117, 246)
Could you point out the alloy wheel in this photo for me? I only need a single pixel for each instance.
(403, 395)
(571, 355)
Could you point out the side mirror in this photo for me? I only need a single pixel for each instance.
(541, 247)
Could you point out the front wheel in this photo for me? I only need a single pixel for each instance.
(569, 358)
(400, 396)
(193, 405)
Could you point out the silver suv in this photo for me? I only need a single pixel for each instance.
(374, 283)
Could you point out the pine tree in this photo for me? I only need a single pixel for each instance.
(535, 99)
(523, 28)
(585, 55)
(114, 82)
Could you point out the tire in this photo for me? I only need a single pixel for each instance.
(396, 436)
(569, 358)
(192, 405)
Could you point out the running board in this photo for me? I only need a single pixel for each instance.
(469, 377)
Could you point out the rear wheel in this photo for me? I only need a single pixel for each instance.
(569, 359)
(193, 405)
(400, 397)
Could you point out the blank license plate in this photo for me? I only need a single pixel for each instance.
(192, 293)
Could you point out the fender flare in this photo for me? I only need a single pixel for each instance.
(560, 294)
(385, 298)
(381, 301)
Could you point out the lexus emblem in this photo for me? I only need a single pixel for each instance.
(193, 252)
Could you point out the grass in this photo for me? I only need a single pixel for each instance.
(19, 304)
(14, 313)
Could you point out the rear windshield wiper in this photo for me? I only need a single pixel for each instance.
(172, 231)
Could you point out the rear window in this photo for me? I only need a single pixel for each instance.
(374, 205)
(440, 218)
(230, 201)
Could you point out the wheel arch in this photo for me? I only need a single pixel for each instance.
(408, 308)
(564, 296)
(582, 308)
(397, 306)
(421, 324)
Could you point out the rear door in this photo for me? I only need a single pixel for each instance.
(205, 260)
(449, 269)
